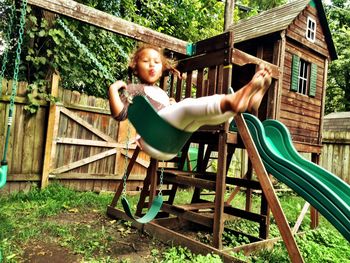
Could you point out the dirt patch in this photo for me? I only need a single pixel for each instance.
(43, 252)
(126, 243)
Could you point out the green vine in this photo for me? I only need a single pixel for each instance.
(48, 48)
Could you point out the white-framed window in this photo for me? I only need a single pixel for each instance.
(311, 29)
(303, 77)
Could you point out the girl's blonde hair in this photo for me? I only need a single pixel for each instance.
(167, 63)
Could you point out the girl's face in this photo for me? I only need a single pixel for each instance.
(149, 66)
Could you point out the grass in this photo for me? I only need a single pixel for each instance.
(41, 215)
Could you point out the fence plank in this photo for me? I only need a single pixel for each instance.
(52, 130)
(65, 130)
(39, 140)
(17, 135)
(28, 142)
(335, 154)
(84, 161)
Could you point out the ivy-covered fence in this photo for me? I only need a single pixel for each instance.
(88, 152)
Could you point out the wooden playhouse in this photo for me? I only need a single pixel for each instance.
(295, 37)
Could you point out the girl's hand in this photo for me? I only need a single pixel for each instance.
(115, 103)
(172, 101)
(116, 86)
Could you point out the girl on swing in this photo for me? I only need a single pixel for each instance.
(148, 63)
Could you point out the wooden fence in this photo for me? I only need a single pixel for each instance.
(74, 141)
(77, 142)
(335, 155)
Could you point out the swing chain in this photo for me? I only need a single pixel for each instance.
(91, 56)
(161, 180)
(126, 161)
(170, 75)
(120, 49)
(15, 77)
(18, 52)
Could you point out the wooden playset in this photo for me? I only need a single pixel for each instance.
(294, 40)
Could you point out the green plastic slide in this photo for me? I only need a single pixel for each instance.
(323, 190)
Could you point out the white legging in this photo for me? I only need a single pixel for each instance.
(190, 114)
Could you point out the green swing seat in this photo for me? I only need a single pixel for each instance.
(158, 133)
(151, 213)
(153, 129)
(3, 174)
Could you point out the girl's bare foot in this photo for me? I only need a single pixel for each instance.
(255, 100)
(240, 100)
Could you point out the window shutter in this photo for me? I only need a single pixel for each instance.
(313, 79)
(294, 73)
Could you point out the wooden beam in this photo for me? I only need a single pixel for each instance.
(241, 58)
(84, 161)
(189, 181)
(86, 124)
(90, 176)
(84, 142)
(172, 237)
(91, 159)
(301, 218)
(201, 219)
(24, 177)
(111, 23)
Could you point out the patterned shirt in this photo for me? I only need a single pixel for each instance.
(158, 102)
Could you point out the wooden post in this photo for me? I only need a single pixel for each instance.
(249, 192)
(315, 158)
(218, 227)
(275, 114)
(119, 190)
(153, 187)
(52, 129)
(268, 190)
(229, 9)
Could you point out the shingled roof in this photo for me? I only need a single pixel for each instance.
(278, 19)
(337, 121)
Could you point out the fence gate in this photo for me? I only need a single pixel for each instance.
(85, 147)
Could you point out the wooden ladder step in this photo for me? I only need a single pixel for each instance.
(189, 181)
(196, 206)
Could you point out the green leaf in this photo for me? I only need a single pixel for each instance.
(42, 33)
